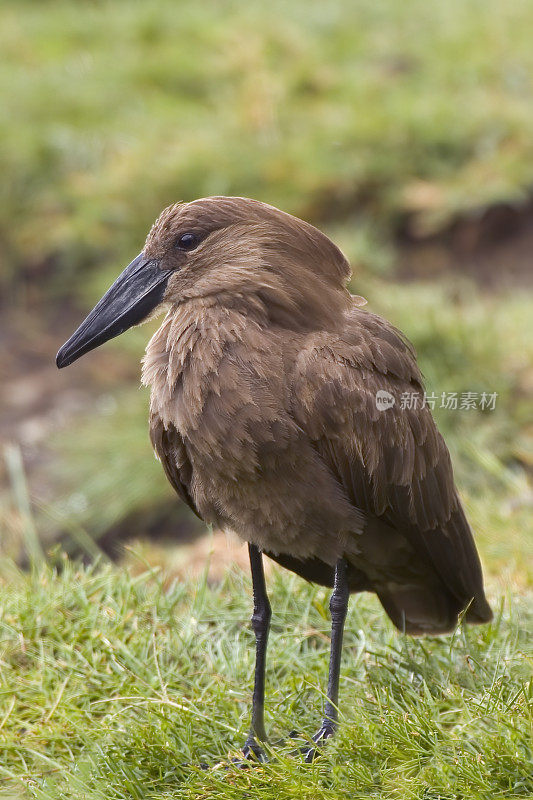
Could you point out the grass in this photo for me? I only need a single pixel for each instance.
(117, 686)
(351, 112)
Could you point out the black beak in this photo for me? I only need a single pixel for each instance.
(135, 293)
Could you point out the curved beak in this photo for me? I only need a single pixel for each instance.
(134, 294)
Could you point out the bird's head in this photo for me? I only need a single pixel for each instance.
(227, 250)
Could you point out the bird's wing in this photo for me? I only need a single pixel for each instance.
(171, 451)
(393, 463)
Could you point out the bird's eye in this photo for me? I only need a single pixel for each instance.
(187, 241)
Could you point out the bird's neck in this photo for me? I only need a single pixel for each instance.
(190, 344)
(202, 341)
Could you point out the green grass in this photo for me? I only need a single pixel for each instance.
(113, 687)
(359, 112)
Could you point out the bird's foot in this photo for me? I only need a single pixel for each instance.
(310, 752)
(252, 752)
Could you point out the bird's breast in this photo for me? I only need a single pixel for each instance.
(219, 380)
(249, 467)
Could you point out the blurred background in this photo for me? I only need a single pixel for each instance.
(402, 129)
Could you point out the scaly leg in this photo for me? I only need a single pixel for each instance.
(260, 623)
(338, 605)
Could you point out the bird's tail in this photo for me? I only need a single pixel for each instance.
(430, 610)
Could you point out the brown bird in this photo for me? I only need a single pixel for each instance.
(264, 377)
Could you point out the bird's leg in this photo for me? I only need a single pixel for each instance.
(260, 623)
(338, 605)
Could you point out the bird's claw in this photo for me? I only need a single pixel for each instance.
(252, 752)
(309, 752)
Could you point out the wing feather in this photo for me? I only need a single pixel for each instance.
(393, 463)
(172, 453)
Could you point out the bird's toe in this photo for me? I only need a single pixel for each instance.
(252, 751)
(310, 752)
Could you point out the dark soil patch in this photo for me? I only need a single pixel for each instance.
(494, 247)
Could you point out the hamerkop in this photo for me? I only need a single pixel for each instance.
(263, 412)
